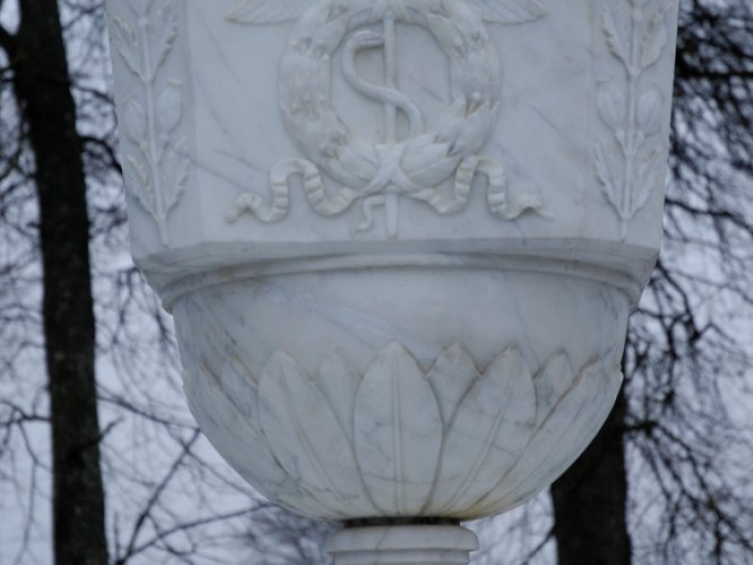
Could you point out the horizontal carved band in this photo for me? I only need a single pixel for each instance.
(598, 266)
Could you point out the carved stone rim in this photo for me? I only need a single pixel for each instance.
(176, 288)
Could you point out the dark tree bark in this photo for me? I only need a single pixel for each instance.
(43, 91)
(590, 501)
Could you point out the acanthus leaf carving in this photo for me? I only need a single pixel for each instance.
(379, 174)
(626, 168)
(158, 170)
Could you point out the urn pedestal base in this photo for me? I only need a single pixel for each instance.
(402, 545)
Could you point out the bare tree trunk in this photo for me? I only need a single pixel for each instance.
(590, 501)
(43, 90)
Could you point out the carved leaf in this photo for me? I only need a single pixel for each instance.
(510, 11)
(575, 422)
(647, 178)
(305, 435)
(650, 111)
(142, 189)
(232, 434)
(139, 170)
(127, 45)
(136, 122)
(169, 107)
(655, 40)
(552, 383)
(489, 434)
(124, 31)
(564, 429)
(445, 33)
(613, 24)
(603, 173)
(611, 104)
(175, 170)
(435, 172)
(451, 378)
(339, 381)
(168, 17)
(266, 11)
(398, 432)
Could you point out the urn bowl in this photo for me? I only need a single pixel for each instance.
(454, 388)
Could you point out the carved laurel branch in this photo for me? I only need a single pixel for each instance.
(397, 440)
(159, 171)
(629, 174)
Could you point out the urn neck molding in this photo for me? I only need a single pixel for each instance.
(178, 272)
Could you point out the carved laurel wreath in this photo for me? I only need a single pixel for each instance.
(413, 167)
(423, 159)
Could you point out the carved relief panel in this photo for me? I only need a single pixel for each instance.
(413, 165)
(154, 150)
(350, 121)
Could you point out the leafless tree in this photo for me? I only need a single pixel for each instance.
(667, 481)
(171, 499)
(673, 435)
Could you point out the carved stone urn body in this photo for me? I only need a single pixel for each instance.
(400, 239)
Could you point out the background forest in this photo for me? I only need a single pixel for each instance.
(100, 461)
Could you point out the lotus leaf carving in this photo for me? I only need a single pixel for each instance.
(397, 440)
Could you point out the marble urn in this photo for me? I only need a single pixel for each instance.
(400, 239)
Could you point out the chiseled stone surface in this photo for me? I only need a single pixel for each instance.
(401, 238)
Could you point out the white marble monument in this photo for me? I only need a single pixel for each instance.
(400, 238)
